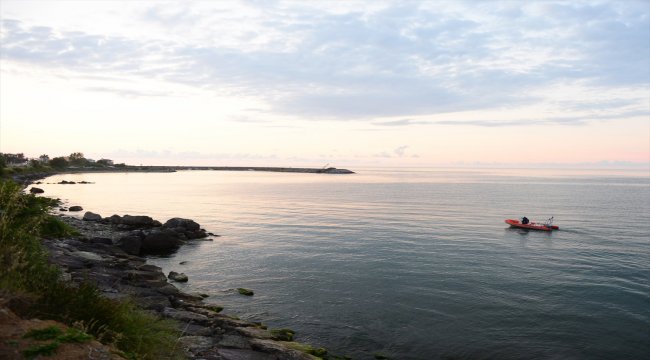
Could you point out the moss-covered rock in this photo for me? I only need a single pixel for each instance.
(283, 334)
(306, 348)
(246, 292)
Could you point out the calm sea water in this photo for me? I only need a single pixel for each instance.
(412, 264)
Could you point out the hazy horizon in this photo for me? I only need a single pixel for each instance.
(285, 83)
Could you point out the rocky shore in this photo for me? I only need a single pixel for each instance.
(110, 253)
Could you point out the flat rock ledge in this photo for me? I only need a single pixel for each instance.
(207, 334)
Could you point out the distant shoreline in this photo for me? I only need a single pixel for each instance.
(149, 168)
(28, 178)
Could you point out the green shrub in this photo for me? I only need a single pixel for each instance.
(24, 269)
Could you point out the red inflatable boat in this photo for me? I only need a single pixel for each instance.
(546, 226)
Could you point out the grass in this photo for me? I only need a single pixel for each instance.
(57, 336)
(25, 273)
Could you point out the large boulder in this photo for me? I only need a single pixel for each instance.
(137, 221)
(187, 224)
(161, 242)
(189, 229)
(179, 277)
(114, 219)
(131, 244)
(75, 208)
(35, 190)
(91, 216)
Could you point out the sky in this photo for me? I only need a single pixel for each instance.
(344, 83)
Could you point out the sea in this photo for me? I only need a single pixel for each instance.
(410, 263)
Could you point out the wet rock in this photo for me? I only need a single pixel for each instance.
(75, 208)
(254, 332)
(187, 227)
(35, 190)
(91, 216)
(274, 347)
(283, 334)
(160, 242)
(65, 182)
(179, 277)
(246, 292)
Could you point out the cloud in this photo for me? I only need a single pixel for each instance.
(400, 150)
(346, 62)
(129, 93)
(402, 122)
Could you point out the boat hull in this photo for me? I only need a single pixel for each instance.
(531, 226)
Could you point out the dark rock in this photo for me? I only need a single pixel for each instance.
(91, 216)
(234, 341)
(185, 316)
(254, 332)
(187, 227)
(75, 208)
(65, 182)
(137, 221)
(160, 242)
(150, 267)
(63, 209)
(145, 276)
(197, 330)
(115, 219)
(168, 289)
(243, 354)
(180, 277)
(247, 292)
(131, 244)
(186, 224)
(283, 334)
(196, 234)
(194, 344)
(101, 240)
(35, 190)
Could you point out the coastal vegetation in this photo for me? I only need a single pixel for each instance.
(18, 164)
(32, 287)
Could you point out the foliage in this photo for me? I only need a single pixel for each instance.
(45, 350)
(47, 333)
(24, 269)
(59, 162)
(77, 159)
(72, 335)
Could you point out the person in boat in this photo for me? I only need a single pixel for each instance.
(524, 220)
